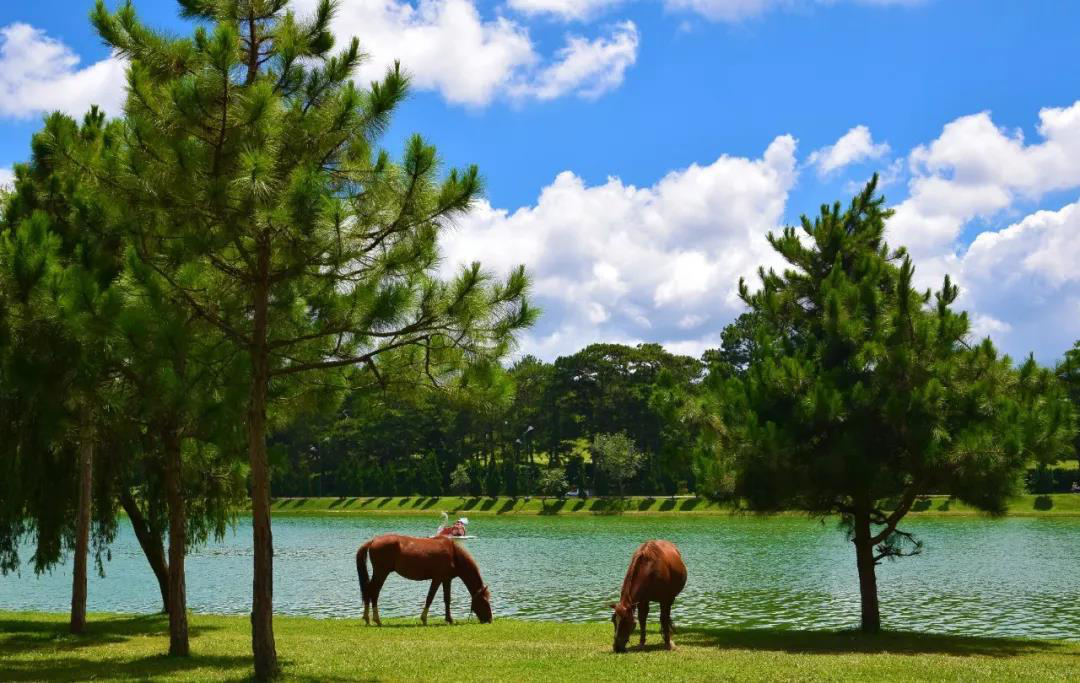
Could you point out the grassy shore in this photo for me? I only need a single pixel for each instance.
(1062, 504)
(37, 647)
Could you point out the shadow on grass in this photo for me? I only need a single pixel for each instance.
(552, 508)
(1043, 502)
(667, 505)
(508, 505)
(852, 642)
(223, 668)
(646, 503)
(58, 653)
(48, 652)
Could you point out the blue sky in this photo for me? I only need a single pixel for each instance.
(636, 153)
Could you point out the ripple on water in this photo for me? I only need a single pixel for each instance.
(1010, 577)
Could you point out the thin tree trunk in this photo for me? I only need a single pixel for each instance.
(864, 560)
(82, 523)
(150, 542)
(262, 623)
(174, 496)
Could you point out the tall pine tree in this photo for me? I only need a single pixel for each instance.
(265, 206)
(861, 393)
(60, 263)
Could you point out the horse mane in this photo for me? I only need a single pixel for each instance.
(644, 552)
(467, 569)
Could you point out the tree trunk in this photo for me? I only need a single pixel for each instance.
(150, 542)
(82, 523)
(864, 560)
(262, 624)
(174, 496)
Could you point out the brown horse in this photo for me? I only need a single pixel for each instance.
(438, 560)
(656, 574)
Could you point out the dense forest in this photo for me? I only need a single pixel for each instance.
(529, 428)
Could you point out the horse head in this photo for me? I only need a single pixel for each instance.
(623, 618)
(481, 605)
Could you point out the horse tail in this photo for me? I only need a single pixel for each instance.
(361, 570)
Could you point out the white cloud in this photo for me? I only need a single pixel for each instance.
(564, 9)
(660, 263)
(40, 74)
(447, 46)
(715, 10)
(1023, 282)
(738, 10)
(624, 263)
(588, 68)
(854, 146)
(975, 169)
(7, 177)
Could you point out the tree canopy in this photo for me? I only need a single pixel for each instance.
(257, 193)
(862, 392)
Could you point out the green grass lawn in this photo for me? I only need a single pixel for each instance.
(1064, 504)
(37, 647)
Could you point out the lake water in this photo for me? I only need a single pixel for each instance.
(1008, 577)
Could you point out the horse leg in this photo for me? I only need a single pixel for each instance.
(430, 597)
(446, 599)
(376, 586)
(642, 615)
(665, 624)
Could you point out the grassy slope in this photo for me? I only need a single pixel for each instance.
(36, 646)
(1062, 504)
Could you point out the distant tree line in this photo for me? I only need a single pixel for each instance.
(606, 418)
(534, 422)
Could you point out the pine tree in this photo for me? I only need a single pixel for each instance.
(861, 393)
(262, 202)
(1068, 372)
(59, 268)
(183, 389)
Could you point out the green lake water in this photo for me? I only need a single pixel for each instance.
(977, 576)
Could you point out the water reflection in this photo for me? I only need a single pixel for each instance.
(1011, 577)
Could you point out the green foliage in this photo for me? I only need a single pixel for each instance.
(862, 392)
(60, 261)
(553, 482)
(617, 456)
(254, 189)
(460, 479)
(1068, 372)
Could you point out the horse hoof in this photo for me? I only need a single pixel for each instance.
(670, 647)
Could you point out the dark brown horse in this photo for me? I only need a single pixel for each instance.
(438, 560)
(656, 574)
